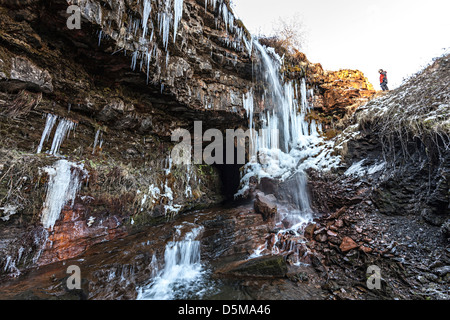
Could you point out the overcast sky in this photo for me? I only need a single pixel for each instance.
(400, 36)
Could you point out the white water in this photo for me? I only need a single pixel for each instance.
(64, 183)
(183, 271)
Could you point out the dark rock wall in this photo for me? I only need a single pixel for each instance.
(86, 77)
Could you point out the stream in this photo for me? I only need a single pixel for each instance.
(196, 256)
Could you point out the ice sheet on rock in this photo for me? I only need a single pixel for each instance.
(358, 169)
(64, 182)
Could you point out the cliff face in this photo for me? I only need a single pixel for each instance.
(86, 117)
(392, 190)
(406, 133)
(106, 97)
(102, 100)
(335, 94)
(398, 143)
(343, 92)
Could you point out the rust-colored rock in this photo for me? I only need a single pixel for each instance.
(348, 244)
(339, 223)
(331, 233)
(72, 235)
(345, 90)
(338, 213)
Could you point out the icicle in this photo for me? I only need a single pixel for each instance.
(97, 134)
(164, 27)
(134, 60)
(224, 10)
(178, 14)
(145, 16)
(50, 122)
(149, 57)
(61, 132)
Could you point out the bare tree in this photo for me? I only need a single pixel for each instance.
(291, 31)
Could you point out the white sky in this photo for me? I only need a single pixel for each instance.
(400, 36)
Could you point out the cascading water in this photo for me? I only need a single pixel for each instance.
(183, 273)
(286, 135)
(286, 146)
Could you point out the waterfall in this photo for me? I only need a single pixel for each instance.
(183, 271)
(286, 136)
(286, 145)
(282, 103)
(64, 183)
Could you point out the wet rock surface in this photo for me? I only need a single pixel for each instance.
(114, 269)
(264, 267)
(412, 257)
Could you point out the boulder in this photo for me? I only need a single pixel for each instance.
(265, 267)
(265, 205)
(309, 231)
(31, 76)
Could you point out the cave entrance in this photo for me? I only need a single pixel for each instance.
(230, 176)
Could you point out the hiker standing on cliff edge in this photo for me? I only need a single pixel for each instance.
(383, 80)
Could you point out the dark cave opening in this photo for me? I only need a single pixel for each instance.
(230, 175)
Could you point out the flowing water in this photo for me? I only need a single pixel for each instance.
(183, 274)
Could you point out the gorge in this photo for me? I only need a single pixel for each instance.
(340, 178)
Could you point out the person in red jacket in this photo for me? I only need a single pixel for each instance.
(383, 80)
